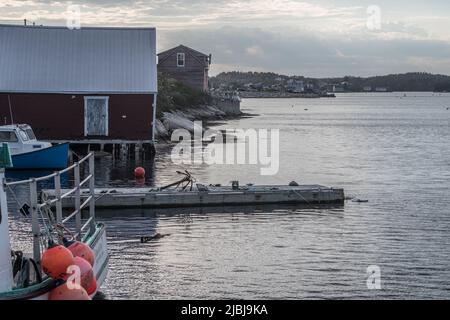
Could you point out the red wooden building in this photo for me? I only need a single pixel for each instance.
(92, 84)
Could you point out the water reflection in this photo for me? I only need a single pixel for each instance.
(248, 209)
(393, 152)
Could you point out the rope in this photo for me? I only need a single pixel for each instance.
(47, 229)
(61, 228)
(20, 206)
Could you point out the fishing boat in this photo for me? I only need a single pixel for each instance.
(74, 239)
(29, 153)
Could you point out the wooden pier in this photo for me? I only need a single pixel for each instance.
(116, 148)
(202, 195)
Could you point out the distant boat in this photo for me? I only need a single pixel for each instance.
(29, 153)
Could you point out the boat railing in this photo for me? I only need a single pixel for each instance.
(38, 206)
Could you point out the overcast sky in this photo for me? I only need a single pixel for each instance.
(311, 38)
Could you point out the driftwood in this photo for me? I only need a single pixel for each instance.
(183, 183)
(154, 237)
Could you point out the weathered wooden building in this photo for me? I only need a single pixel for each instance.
(186, 65)
(81, 86)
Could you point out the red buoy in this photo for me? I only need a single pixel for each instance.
(140, 182)
(80, 249)
(55, 261)
(64, 292)
(92, 288)
(139, 172)
(87, 277)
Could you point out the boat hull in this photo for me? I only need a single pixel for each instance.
(55, 157)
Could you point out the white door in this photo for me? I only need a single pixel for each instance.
(96, 116)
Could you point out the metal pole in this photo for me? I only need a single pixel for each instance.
(92, 192)
(58, 196)
(154, 116)
(10, 109)
(5, 245)
(35, 228)
(77, 200)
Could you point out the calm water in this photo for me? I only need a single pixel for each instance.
(387, 148)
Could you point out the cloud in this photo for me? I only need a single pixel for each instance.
(254, 51)
(302, 53)
(17, 3)
(170, 14)
(314, 38)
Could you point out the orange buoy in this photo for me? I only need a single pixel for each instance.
(139, 172)
(82, 250)
(92, 288)
(55, 261)
(87, 277)
(64, 292)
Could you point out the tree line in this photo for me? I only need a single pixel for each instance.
(413, 81)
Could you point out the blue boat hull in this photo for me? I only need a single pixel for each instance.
(55, 157)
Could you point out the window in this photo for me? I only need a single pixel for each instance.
(30, 134)
(24, 136)
(180, 60)
(8, 136)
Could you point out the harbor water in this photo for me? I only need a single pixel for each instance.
(389, 148)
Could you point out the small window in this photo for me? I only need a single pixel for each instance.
(180, 60)
(24, 136)
(30, 134)
(8, 136)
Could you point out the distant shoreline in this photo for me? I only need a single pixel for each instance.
(272, 95)
(279, 83)
(277, 95)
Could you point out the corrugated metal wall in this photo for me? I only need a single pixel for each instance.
(46, 59)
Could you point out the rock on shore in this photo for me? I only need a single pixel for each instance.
(184, 119)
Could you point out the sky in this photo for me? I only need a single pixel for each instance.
(311, 38)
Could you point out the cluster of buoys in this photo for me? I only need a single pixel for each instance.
(62, 263)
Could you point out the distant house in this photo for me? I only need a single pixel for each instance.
(381, 89)
(296, 86)
(335, 88)
(79, 85)
(186, 65)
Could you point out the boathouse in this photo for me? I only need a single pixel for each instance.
(91, 85)
(186, 65)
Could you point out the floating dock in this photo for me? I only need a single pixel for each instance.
(212, 195)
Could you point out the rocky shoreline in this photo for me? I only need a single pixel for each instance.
(184, 119)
